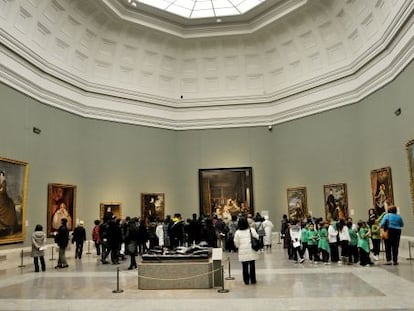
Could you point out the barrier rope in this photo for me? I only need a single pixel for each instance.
(179, 279)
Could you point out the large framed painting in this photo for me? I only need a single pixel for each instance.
(61, 204)
(336, 201)
(410, 153)
(297, 203)
(152, 206)
(13, 196)
(382, 190)
(226, 191)
(109, 209)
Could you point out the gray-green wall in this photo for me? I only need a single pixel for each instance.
(116, 162)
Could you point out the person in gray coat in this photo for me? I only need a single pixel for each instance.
(38, 247)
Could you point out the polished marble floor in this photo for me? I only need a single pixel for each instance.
(282, 285)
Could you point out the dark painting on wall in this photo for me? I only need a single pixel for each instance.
(410, 154)
(297, 203)
(336, 201)
(61, 204)
(226, 191)
(13, 197)
(152, 206)
(111, 209)
(382, 190)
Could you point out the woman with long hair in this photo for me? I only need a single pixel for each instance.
(247, 256)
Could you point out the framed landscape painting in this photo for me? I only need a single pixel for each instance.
(336, 201)
(61, 204)
(382, 190)
(226, 191)
(410, 153)
(13, 198)
(152, 206)
(109, 209)
(297, 203)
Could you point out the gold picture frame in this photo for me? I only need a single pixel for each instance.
(381, 189)
(61, 204)
(13, 199)
(152, 206)
(410, 155)
(115, 209)
(297, 203)
(336, 201)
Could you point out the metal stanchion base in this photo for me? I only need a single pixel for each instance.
(229, 278)
(21, 266)
(116, 291)
(222, 290)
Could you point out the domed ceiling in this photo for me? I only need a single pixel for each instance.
(125, 61)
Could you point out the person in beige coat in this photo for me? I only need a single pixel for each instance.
(247, 256)
(38, 248)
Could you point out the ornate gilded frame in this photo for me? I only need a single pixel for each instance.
(13, 200)
(410, 155)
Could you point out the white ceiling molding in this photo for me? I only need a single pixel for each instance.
(58, 74)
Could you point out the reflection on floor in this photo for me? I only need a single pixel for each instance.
(282, 285)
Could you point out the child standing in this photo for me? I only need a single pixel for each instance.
(363, 243)
(313, 237)
(323, 244)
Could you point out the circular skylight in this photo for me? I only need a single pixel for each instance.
(201, 8)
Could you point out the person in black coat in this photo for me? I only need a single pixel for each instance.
(78, 238)
(62, 240)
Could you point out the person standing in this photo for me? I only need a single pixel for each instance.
(96, 237)
(38, 248)
(247, 256)
(78, 238)
(268, 228)
(62, 240)
(364, 233)
(392, 222)
(333, 240)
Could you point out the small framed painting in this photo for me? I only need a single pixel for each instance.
(109, 209)
(297, 203)
(336, 201)
(61, 204)
(152, 206)
(382, 190)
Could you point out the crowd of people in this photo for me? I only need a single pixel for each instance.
(116, 238)
(313, 239)
(343, 241)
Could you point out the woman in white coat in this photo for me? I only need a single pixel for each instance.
(268, 228)
(247, 256)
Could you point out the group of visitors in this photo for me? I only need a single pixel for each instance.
(342, 241)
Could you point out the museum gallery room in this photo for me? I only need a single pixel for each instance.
(219, 108)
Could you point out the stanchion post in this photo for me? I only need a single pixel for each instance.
(410, 244)
(117, 290)
(51, 259)
(229, 277)
(21, 260)
(89, 248)
(222, 289)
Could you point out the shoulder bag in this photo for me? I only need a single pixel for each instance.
(255, 242)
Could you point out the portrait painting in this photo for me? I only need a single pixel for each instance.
(382, 190)
(336, 201)
(13, 196)
(61, 204)
(297, 203)
(410, 154)
(152, 206)
(226, 191)
(109, 209)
